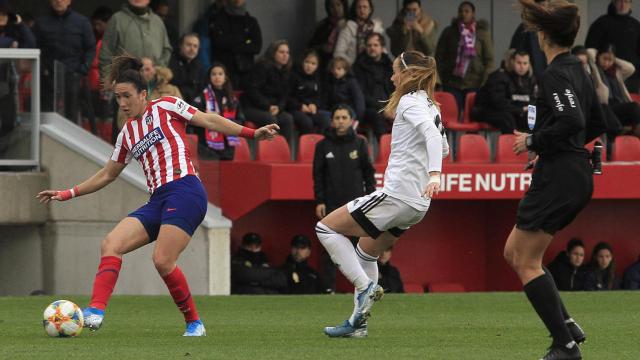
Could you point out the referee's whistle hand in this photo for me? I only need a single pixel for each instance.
(519, 144)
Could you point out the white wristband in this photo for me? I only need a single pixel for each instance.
(434, 179)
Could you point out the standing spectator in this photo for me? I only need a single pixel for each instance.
(187, 70)
(218, 97)
(235, 40)
(342, 88)
(601, 273)
(304, 99)
(99, 103)
(527, 41)
(567, 269)
(266, 96)
(251, 272)
(632, 276)
(373, 69)
(325, 35)
(162, 9)
(201, 27)
(621, 30)
(64, 36)
(503, 100)
(413, 29)
(464, 53)
(301, 277)
(158, 80)
(388, 275)
(352, 37)
(14, 33)
(342, 171)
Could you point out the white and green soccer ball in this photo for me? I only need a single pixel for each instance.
(62, 318)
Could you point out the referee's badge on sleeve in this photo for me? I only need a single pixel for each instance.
(531, 116)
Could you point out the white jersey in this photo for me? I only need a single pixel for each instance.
(416, 149)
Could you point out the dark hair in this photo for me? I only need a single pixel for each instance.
(227, 87)
(126, 69)
(379, 36)
(102, 13)
(310, 52)
(251, 239)
(610, 270)
(558, 19)
(352, 10)
(579, 50)
(519, 53)
(406, 3)
(343, 106)
(189, 34)
(467, 3)
(327, 6)
(269, 54)
(339, 60)
(573, 243)
(607, 48)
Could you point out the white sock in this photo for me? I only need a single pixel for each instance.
(343, 255)
(370, 266)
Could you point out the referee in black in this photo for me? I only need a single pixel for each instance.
(566, 115)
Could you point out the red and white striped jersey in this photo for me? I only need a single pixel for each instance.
(157, 140)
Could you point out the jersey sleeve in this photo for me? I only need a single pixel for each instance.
(178, 108)
(121, 154)
(425, 123)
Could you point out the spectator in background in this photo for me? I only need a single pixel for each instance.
(304, 98)
(601, 272)
(352, 37)
(251, 272)
(186, 68)
(325, 35)
(218, 97)
(504, 99)
(342, 88)
(99, 102)
(266, 95)
(632, 277)
(14, 33)
(158, 80)
(301, 277)
(162, 9)
(201, 27)
(235, 40)
(388, 275)
(342, 171)
(621, 30)
(464, 53)
(413, 29)
(527, 41)
(567, 269)
(373, 70)
(65, 36)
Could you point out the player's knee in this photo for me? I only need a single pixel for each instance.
(163, 262)
(110, 246)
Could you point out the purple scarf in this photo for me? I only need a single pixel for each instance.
(466, 48)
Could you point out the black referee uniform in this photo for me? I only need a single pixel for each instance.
(567, 115)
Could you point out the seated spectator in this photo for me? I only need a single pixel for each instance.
(527, 41)
(301, 277)
(325, 35)
(413, 29)
(265, 98)
(158, 80)
(186, 68)
(388, 275)
(352, 37)
(342, 88)
(304, 98)
(632, 277)
(601, 271)
(464, 53)
(251, 272)
(217, 97)
(14, 33)
(374, 69)
(503, 100)
(162, 9)
(567, 269)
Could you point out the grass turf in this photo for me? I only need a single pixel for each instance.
(434, 326)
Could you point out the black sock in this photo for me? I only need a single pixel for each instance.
(565, 314)
(542, 294)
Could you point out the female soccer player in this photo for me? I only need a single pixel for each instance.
(155, 136)
(411, 179)
(566, 115)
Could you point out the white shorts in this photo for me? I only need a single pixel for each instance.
(379, 212)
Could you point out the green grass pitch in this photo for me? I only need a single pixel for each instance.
(434, 326)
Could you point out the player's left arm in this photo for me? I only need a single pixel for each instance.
(434, 146)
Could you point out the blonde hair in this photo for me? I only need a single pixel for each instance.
(418, 73)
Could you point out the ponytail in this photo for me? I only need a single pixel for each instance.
(126, 69)
(558, 19)
(419, 73)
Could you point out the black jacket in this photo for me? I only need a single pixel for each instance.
(566, 276)
(302, 278)
(342, 170)
(187, 76)
(523, 40)
(235, 40)
(67, 38)
(623, 31)
(632, 277)
(598, 280)
(568, 114)
(269, 86)
(389, 278)
(374, 78)
(505, 91)
(19, 33)
(252, 274)
(343, 91)
(303, 90)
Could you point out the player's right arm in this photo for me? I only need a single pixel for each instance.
(102, 178)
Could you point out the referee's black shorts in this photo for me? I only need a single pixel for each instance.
(561, 186)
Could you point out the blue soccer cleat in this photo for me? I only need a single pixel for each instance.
(92, 318)
(347, 330)
(364, 302)
(195, 328)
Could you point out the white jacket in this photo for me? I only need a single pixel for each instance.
(346, 46)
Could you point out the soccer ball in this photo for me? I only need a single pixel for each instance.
(63, 318)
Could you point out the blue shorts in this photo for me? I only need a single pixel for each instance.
(181, 202)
